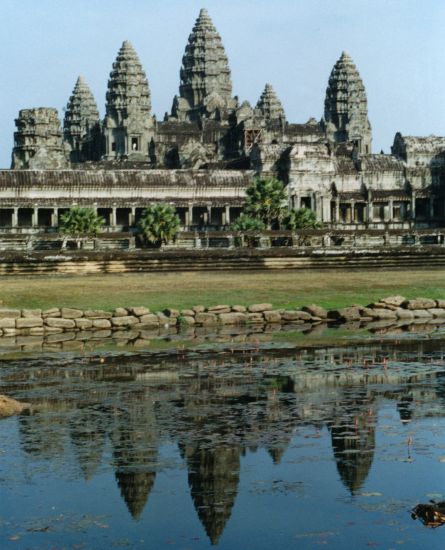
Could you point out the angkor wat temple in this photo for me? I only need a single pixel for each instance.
(203, 154)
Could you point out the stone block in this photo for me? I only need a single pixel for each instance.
(186, 320)
(440, 303)
(272, 316)
(421, 313)
(219, 309)
(345, 314)
(393, 300)
(53, 312)
(120, 312)
(419, 303)
(437, 311)
(165, 321)
(58, 322)
(97, 314)
(124, 321)
(7, 322)
(255, 318)
(31, 312)
(379, 313)
(405, 314)
(239, 309)
(28, 322)
(315, 311)
(169, 312)
(149, 320)
(37, 331)
(9, 331)
(259, 308)
(187, 313)
(234, 318)
(71, 313)
(290, 315)
(101, 334)
(198, 309)
(83, 323)
(206, 319)
(10, 313)
(139, 311)
(52, 330)
(304, 315)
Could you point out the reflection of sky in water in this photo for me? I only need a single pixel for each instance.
(327, 446)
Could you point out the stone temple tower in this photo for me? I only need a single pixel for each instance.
(206, 87)
(270, 106)
(38, 140)
(346, 106)
(128, 126)
(81, 125)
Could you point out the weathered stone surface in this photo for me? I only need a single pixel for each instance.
(233, 318)
(393, 300)
(290, 315)
(316, 311)
(101, 323)
(255, 318)
(419, 303)
(9, 313)
(219, 309)
(404, 314)
(149, 320)
(272, 316)
(9, 331)
(52, 312)
(198, 309)
(304, 315)
(259, 308)
(36, 330)
(31, 312)
(239, 309)
(124, 321)
(97, 314)
(7, 322)
(187, 320)
(440, 303)
(437, 311)
(52, 330)
(120, 312)
(28, 322)
(206, 319)
(9, 407)
(379, 313)
(71, 313)
(421, 313)
(139, 311)
(58, 322)
(345, 314)
(382, 305)
(84, 324)
(187, 312)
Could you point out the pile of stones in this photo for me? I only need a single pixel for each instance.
(58, 320)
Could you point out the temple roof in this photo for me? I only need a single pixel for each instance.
(205, 68)
(81, 111)
(128, 89)
(269, 104)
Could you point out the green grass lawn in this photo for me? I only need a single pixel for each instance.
(284, 289)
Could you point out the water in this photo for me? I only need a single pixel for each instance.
(254, 449)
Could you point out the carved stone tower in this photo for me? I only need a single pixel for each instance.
(206, 88)
(81, 125)
(38, 140)
(270, 106)
(346, 106)
(128, 126)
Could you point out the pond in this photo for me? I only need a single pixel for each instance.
(328, 445)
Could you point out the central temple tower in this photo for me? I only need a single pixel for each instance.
(346, 106)
(206, 88)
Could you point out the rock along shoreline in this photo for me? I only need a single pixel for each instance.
(59, 320)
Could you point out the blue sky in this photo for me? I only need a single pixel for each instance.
(397, 45)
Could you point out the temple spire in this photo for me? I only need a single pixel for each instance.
(81, 122)
(269, 105)
(346, 106)
(205, 85)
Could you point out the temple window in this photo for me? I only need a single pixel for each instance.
(113, 146)
(134, 144)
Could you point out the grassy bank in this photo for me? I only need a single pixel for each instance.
(286, 289)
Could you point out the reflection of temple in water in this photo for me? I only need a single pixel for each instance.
(216, 412)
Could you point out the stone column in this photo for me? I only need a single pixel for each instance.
(35, 217)
(413, 205)
(337, 210)
(209, 215)
(189, 216)
(353, 211)
(390, 210)
(227, 213)
(15, 217)
(132, 217)
(113, 217)
(55, 217)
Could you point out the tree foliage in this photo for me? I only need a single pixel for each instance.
(80, 223)
(266, 200)
(300, 218)
(159, 224)
(247, 223)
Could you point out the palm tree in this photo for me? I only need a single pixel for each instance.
(80, 223)
(248, 223)
(301, 218)
(159, 224)
(266, 200)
